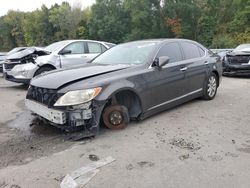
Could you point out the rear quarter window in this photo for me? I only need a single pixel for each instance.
(191, 50)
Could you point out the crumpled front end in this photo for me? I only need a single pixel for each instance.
(20, 67)
(20, 73)
(83, 118)
(236, 64)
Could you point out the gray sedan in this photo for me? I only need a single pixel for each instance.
(131, 81)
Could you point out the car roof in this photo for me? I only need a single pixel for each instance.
(85, 40)
(161, 40)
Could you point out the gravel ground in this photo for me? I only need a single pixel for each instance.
(198, 144)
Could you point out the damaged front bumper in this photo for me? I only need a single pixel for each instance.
(20, 73)
(236, 69)
(85, 117)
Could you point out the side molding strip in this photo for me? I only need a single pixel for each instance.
(175, 99)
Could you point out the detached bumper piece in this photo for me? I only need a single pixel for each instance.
(83, 119)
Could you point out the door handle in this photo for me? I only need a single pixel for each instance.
(183, 69)
(206, 62)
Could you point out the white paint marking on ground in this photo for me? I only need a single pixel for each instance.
(83, 175)
(68, 182)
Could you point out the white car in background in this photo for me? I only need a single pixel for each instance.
(21, 67)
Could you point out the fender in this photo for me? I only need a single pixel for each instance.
(115, 87)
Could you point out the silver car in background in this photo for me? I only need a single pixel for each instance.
(4, 55)
(61, 54)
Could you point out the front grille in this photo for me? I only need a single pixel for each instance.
(45, 96)
(9, 66)
(238, 59)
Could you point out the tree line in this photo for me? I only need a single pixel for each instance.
(214, 23)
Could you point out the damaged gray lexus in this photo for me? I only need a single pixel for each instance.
(131, 81)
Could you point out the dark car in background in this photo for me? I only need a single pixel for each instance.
(131, 81)
(222, 52)
(237, 62)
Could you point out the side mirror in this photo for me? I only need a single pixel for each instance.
(161, 61)
(63, 52)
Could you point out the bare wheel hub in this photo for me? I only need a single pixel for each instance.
(115, 118)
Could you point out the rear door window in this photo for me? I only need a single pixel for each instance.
(94, 48)
(190, 50)
(172, 50)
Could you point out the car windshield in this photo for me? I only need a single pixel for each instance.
(242, 48)
(129, 53)
(54, 46)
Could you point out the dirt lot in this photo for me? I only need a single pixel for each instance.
(198, 144)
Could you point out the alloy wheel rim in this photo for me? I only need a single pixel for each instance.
(212, 86)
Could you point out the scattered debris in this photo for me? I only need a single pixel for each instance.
(145, 164)
(215, 157)
(3, 184)
(229, 154)
(245, 150)
(81, 155)
(15, 186)
(93, 157)
(183, 157)
(129, 167)
(181, 143)
(83, 175)
(59, 178)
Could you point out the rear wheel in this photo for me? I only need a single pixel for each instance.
(115, 117)
(211, 86)
(42, 70)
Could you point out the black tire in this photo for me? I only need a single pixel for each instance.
(42, 70)
(210, 88)
(115, 117)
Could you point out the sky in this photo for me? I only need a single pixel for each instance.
(30, 5)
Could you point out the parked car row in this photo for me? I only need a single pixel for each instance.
(130, 81)
(22, 66)
(114, 84)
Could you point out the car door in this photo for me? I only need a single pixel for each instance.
(165, 84)
(196, 66)
(94, 49)
(75, 57)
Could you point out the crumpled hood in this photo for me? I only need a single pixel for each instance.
(24, 53)
(59, 78)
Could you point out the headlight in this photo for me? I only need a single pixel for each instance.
(77, 97)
